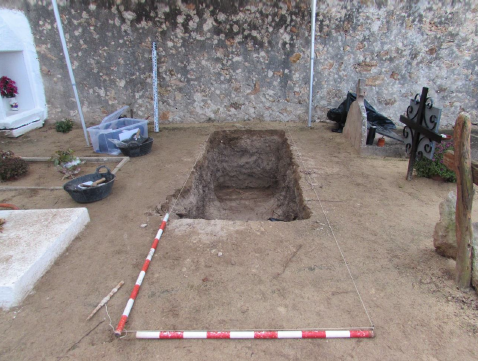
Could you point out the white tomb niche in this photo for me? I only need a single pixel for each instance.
(19, 62)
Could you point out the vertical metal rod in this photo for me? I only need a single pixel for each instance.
(312, 57)
(70, 70)
(155, 88)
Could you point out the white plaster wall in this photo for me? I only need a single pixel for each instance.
(16, 36)
(12, 64)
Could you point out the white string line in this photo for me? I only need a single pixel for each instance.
(107, 313)
(249, 329)
(262, 329)
(171, 211)
(331, 230)
(302, 329)
(191, 172)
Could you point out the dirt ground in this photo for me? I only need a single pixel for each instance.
(231, 275)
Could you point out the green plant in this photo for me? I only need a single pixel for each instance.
(66, 162)
(64, 126)
(435, 167)
(11, 167)
(62, 156)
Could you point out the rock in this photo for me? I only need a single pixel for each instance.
(474, 261)
(295, 58)
(219, 254)
(165, 115)
(432, 51)
(375, 80)
(144, 225)
(328, 66)
(444, 237)
(257, 88)
(365, 66)
(360, 46)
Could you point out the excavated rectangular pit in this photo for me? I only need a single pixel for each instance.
(245, 175)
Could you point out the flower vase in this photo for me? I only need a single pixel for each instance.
(13, 104)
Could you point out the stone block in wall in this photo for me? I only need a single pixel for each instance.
(375, 80)
(444, 237)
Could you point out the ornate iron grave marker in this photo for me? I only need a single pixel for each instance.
(421, 129)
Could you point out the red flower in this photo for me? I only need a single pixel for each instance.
(8, 88)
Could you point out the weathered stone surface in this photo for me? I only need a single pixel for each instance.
(165, 115)
(394, 76)
(355, 129)
(474, 264)
(257, 88)
(444, 237)
(360, 90)
(365, 66)
(375, 80)
(295, 58)
(211, 53)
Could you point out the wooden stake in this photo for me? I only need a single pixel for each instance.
(464, 201)
(106, 299)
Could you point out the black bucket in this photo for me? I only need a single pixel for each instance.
(93, 194)
(138, 150)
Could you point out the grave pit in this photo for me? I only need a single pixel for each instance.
(244, 175)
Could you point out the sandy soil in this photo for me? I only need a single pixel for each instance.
(237, 275)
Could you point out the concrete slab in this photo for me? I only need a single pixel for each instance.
(29, 244)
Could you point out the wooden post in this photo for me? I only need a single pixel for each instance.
(464, 201)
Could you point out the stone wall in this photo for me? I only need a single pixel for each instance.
(249, 60)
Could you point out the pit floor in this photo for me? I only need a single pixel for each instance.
(233, 275)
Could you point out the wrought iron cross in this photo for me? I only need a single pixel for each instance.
(421, 129)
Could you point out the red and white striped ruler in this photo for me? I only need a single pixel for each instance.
(139, 281)
(254, 334)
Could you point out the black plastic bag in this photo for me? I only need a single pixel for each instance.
(339, 114)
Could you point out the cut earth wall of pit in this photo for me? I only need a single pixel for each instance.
(245, 175)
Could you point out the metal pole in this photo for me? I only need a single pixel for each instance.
(312, 57)
(68, 64)
(155, 88)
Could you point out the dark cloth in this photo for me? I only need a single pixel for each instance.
(339, 114)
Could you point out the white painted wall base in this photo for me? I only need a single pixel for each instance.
(19, 61)
(29, 244)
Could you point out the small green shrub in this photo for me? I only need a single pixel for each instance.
(428, 168)
(64, 126)
(11, 167)
(66, 162)
(62, 156)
